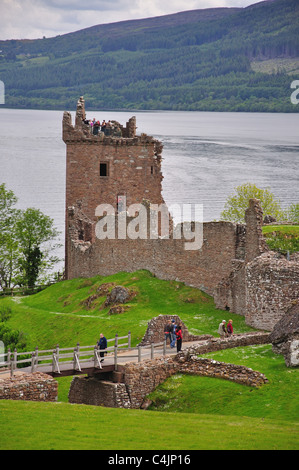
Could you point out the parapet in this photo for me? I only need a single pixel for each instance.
(102, 132)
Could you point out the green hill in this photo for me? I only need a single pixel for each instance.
(72, 311)
(198, 60)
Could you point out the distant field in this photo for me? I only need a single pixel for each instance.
(272, 66)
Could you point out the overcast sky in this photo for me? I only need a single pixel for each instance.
(31, 19)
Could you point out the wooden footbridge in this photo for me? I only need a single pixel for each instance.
(81, 359)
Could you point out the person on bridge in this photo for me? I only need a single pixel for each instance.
(102, 343)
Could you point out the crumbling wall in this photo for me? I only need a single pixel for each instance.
(272, 284)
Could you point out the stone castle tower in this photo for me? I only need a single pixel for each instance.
(114, 167)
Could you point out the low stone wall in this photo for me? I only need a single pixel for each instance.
(155, 330)
(140, 379)
(32, 387)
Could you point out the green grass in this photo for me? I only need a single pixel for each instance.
(277, 400)
(58, 316)
(41, 426)
(282, 238)
(284, 229)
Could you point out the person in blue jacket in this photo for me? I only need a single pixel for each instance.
(102, 343)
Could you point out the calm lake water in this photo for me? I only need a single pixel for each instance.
(205, 156)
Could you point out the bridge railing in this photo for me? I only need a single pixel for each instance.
(58, 359)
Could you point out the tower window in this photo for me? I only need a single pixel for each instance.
(103, 169)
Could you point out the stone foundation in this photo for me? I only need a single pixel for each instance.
(32, 387)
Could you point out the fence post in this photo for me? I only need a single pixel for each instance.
(116, 340)
(115, 357)
(152, 351)
(57, 351)
(139, 353)
(164, 348)
(76, 356)
(32, 361)
(15, 358)
(129, 340)
(36, 357)
(8, 358)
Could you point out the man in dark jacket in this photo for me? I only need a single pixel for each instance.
(102, 343)
(168, 332)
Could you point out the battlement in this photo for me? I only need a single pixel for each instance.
(102, 132)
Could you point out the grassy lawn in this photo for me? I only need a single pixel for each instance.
(282, 238)
(277, 400)
(41, 426)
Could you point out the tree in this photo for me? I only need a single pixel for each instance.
(9, 253)
(235, 206)
(34, 230)
(292, 213)
(25, 243)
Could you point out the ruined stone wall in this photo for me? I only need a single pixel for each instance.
(272, 284)
(32, 387)
(167, 259)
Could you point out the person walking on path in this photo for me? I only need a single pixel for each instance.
(222, 329)
(173, 335)
(102, 345)
(229, 328)
(179, 338)
(168, 332)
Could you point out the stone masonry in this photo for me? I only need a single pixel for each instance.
(33, 387)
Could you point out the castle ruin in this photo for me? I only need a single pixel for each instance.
(118, 168)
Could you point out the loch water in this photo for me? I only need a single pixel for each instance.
(205, 156)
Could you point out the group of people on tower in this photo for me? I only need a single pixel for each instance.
(108, 128)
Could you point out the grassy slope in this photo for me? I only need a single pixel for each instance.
(213, 414)
(56, 315)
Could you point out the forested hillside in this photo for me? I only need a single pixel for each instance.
(198, 60)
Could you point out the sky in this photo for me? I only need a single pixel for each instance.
(32, 19)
